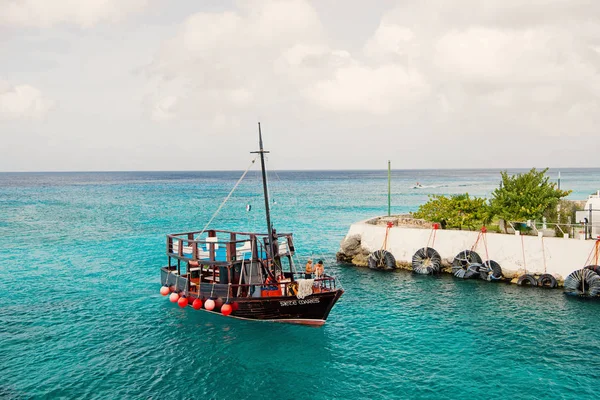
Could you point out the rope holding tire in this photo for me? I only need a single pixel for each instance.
(527, 280)
(490, 271)
(426, 261)
(382, 259)
(547, 280)
(583, 282)
(462, 262)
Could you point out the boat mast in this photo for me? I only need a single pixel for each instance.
(264, 178)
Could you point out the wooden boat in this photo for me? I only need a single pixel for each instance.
(246, 275)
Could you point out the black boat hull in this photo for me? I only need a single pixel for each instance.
(311, 310)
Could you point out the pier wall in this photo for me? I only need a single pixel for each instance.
(562, 256)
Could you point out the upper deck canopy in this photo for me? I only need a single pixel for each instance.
(220, 247)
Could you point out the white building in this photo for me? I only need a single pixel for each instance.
(590, 215)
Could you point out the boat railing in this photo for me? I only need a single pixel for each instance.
(287, 286)
(186, 246)
(195, 249)
(213, 232)
(280, 288)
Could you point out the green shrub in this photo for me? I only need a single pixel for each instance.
(457, 211)
(526, 196)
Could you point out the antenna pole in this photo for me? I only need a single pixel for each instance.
(389, 188)
(265, 189)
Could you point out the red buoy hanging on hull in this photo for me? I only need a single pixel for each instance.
(182, 302)
(226, 309)
(164, 290)
(174, 297)
(197, 304)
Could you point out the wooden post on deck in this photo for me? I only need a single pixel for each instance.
(194, 250)
(254, 244)
(231, 249)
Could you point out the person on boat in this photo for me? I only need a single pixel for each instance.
(274, 244)
(275, 253)
(309, 270)
(319, 269)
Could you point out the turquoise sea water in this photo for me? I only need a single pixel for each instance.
(81, 316)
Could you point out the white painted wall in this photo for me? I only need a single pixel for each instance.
(593, 203)
(562, 256)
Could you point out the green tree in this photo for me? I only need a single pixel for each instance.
(457, 211)
(525, 196)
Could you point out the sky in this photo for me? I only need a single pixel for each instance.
(103, 85)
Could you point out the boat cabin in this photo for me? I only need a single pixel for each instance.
(227, 264)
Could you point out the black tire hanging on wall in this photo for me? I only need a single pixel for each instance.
(595, 268)
(382, 259)
(527, 280)
(547, 280)
(426, 261)
(462, 262)
(583, 282)
(472, 271)
(490, 271)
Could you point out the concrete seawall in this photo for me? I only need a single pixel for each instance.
(556, 256)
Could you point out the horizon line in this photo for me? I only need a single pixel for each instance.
(303, 170)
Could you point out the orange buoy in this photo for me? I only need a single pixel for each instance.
(209, 304)
(164, 290)
(235, 306)
(174, 297)
(226, 309)
(197, 304)
(182, 302)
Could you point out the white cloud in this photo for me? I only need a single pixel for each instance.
(536, 76)
(225, 63)
(278, 50)
(84, 13)
(390, 39)
(372, 90)
(164, 108)
(22, 102)
(497, 57)
(420, 61)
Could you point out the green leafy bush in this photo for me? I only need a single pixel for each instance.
(526, 196)
(457, 211)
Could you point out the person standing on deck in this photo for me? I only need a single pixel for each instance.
(309, 270)
(275, 254)
(319, 269)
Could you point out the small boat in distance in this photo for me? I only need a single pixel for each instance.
(417, 186)
(246, 275)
